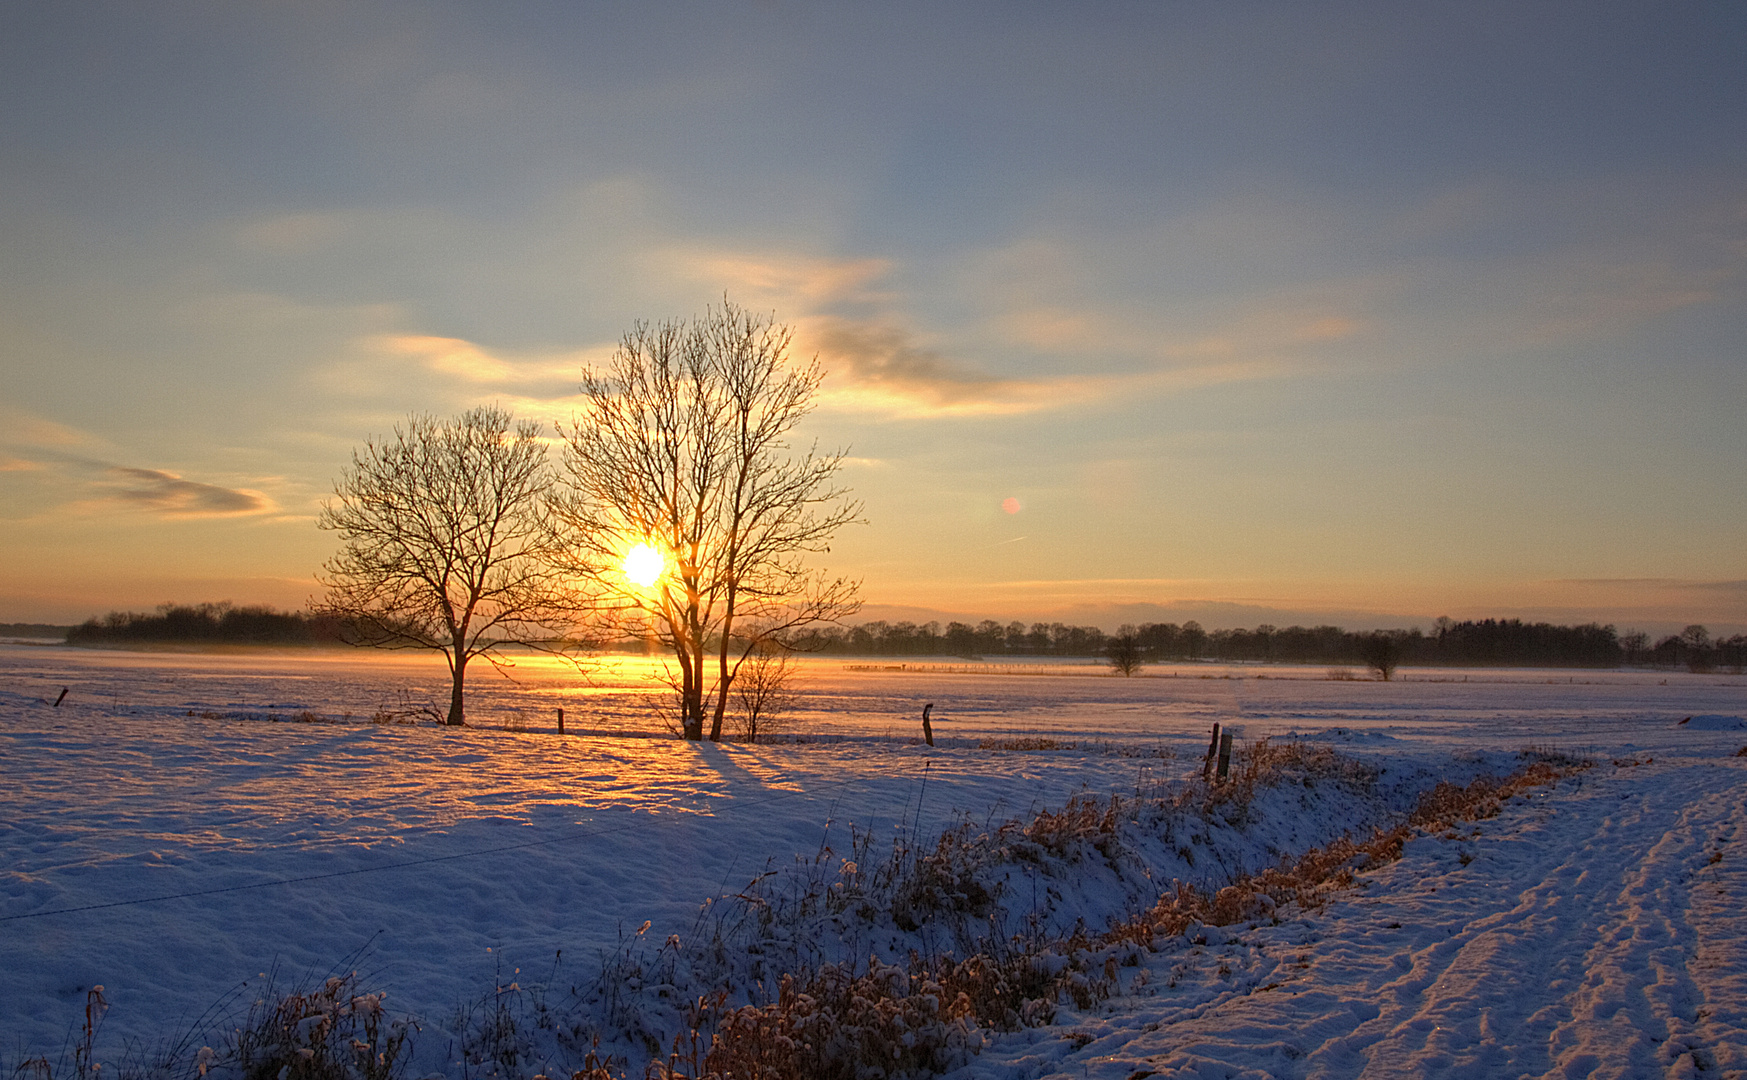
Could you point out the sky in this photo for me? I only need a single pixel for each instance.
(1355, 312)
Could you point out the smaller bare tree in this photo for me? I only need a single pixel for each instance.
(443, 543)
(1124, 651)
(1382, 653)
(765, 690)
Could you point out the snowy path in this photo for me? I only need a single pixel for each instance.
(1593, 931)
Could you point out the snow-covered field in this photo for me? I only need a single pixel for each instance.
(162, 836)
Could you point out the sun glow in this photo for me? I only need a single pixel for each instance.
(643, 565)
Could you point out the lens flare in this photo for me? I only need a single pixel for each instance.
(643, 565)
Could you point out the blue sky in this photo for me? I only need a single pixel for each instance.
(1259, 312)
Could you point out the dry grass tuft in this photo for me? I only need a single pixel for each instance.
(831, 1025)
(1085, 818)
(1266, 764)
(331, 1032)
(1032, 744)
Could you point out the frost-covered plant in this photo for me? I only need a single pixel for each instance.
(514, 1031)
(329, 1032)
(830, 1024)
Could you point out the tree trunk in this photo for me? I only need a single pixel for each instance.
(722, 680)
(721, 705)
(691, 704)
(458, 672)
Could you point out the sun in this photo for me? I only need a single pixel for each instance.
(643, 565)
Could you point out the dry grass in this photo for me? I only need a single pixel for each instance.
(832, 1025)
(1033, 744)
(330, 1032)
(1308, 881)
(1085, 819)
(1266, 764)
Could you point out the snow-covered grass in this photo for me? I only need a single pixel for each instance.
(517, 895)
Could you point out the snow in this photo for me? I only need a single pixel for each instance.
(1714, 722)
(174, 858)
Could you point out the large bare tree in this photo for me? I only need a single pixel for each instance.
(443, 542)
(680, 460)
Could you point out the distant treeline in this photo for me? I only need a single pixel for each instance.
(207, 624)
(1483, 642)
(1509, 642)
(32, 630)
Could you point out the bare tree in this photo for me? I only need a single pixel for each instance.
(1382, 653)
(764, 689)
(686, 513)
(1124, 651)
(443, 542)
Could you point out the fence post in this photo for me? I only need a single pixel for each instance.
(927, 728)
(1224, 756)
(560, 721)
(1212, 749)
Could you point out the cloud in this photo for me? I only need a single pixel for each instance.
(168, 495)
(56, 477)
(789, 280)
(24, 429)
(451, 356)
(1682, 584)
(457, 373)
(881, 369)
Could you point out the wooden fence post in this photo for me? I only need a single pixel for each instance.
(1224, 756)
(560, 721)
(927, 728)
(1212, 749)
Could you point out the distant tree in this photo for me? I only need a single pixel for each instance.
(1124, 652)
(1733, 652)
(1633, 644)
(1695, 642)
(442, 543)
(961, 640)
(1193, 639)
(1265, 639)
(1382, 653)
(681, 450)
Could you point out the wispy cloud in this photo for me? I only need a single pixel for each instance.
(1675, 584)
(168, 495)
(794, 282)
(881, 369)
(460, 373)
(59, 478)
(451, 356)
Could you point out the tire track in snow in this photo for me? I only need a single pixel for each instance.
(1586, 933)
